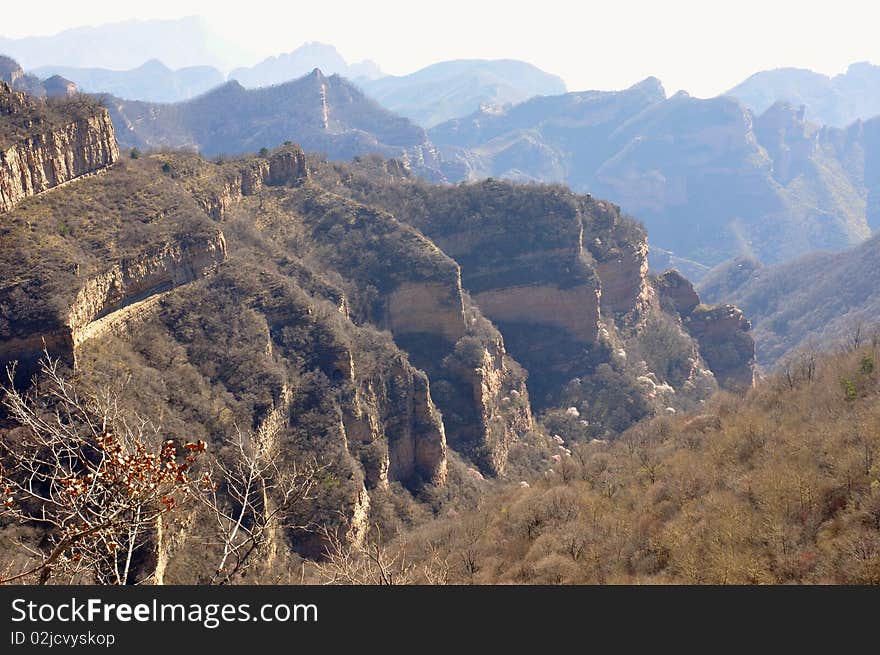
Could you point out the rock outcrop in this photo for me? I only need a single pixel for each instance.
(722, 332)
(39, 151)
(285, 167)
(117, 298)
(725, 344)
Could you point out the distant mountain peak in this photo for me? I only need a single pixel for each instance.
(302, 61)
(836, 101)
(650, 85)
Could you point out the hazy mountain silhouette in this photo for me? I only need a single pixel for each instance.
(128, 44)
(837, 101)
(152, 81)
(450, 89)
(299, 62)
(324, 114)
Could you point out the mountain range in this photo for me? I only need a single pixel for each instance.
(406, 335)
(710, 179)
(152, 81)
(301, 61)
(837, 101)
(453, 335)
(325, 114)
(450, 89)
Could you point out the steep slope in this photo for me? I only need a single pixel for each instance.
(377, 324)
(778, 487)
(45, 143)
(709, 180)
(152, 81)
(820, 298)
(325, 114)
(450, 89)
(301, 61)
(812, 302)
(564, 277)
(551, 139)
(137, 271)
(836, 101)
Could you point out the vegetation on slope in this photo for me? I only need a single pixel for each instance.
(779, 486)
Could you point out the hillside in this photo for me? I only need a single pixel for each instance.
(451, 89)
(837, 101)
(324, 114)
(814, 302)
(709, 180)
(779, 487)
(46, 142)
(416, 342)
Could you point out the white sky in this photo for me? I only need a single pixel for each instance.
(704, 47)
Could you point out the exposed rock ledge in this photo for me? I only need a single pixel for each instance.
(114, 299)
(722, 332)
(46, 160)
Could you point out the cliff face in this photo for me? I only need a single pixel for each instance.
(722, 332)
(353, 319)
(725, 344)
(565, 279)
(51, 154)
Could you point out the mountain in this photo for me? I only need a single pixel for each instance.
(451, 89)
(48, 142)
(709, 179)
(151, 81)
(397, 335)
(836, 101)
(303, 60)
(15, 77)
(816, 300)
(325, 114)
(119, 46)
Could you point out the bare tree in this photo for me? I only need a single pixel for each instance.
(255, 495)
(352, 563)
(374, 563)
(96, 483)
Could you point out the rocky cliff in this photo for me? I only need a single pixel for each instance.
(40, 149)
(722, 332)
(565, 279)
(395, 332)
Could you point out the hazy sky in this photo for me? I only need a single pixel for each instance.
(703, 47)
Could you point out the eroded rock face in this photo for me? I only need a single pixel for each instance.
(502, 398)
(118, 298)
(44, 160)
(722, 332)
(286, 167)
(725, 344)
(573, 309)
(427, 308)
(677, 291)
(623, 274)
